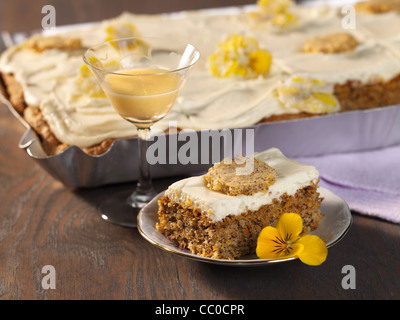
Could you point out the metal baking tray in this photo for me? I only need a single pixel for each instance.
(342, 132)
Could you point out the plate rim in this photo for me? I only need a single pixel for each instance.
(237, 262)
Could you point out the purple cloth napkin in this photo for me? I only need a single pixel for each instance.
(368, 181)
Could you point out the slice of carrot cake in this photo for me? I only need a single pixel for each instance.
(221, 214)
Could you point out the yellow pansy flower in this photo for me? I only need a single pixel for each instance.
(285, 241)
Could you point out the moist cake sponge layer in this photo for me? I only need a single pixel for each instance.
(216, 225)
(235, 235)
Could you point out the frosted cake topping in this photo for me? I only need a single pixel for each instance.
(291, 176)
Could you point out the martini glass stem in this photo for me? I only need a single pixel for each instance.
(144, 189)
(144, 185)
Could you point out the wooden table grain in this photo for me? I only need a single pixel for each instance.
(44, 223)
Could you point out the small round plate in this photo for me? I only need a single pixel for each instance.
(332, 228)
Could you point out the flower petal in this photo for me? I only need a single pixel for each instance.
(290, 225)
(270, 245)
(293, 250)
(260, 61)
(315, 251)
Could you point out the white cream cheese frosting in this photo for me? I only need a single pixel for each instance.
(206, 102)
(291, 176)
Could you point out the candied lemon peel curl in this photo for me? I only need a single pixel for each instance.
(240, 56)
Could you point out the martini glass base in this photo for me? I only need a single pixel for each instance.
(122, 208)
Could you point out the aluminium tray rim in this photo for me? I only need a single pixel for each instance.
(30, 136)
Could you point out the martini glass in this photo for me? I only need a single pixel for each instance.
(142, 78)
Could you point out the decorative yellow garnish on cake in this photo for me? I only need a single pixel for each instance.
(94, 62)
(308, 95)
(272, 7)
(121, 30)
(240, 56)
(285, 20)
(285, 241)
(86, 82)
(275, 15)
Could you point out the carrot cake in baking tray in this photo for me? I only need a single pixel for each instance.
(272, 61)
(220, 214)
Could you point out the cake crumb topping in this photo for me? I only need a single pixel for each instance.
(41, 43)
(223, 177)
(377, 6)
(332, 43)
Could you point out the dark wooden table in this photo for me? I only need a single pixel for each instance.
(43, 223)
